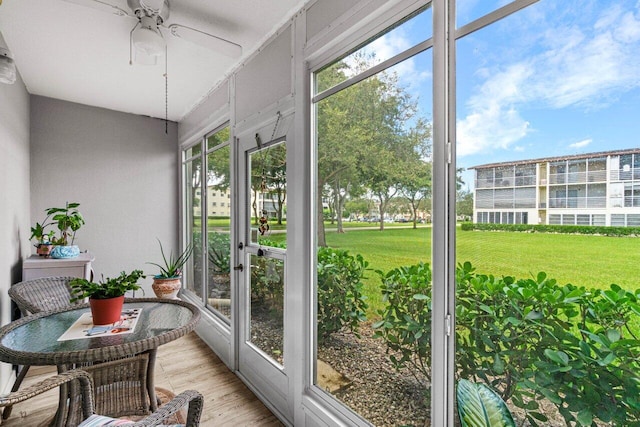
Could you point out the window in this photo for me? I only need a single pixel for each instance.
(208, 275)
(364, 122)
(513, 107)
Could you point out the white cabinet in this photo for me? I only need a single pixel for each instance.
(36, 266)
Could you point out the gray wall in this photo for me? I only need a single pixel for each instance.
(14, 195)
(121, 168)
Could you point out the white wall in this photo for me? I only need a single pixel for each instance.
(121, 168)
(14, 193)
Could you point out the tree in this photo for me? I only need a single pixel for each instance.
(464, 203)
(269, 178)
(368, 136)
(416, 179)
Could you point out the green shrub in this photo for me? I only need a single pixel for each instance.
(219, 253)
(561, 229)
(528, 339)
(267, 283)
(405, 322)
(341, 304)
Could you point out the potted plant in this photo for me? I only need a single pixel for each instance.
(167, 283)
(106, 297)
(69, 220)
(44, 240)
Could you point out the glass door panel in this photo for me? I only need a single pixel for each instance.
(261, 333)
(268, 170)
(266, 327)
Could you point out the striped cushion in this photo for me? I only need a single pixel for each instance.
(102, 421)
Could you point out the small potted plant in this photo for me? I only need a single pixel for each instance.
(167, 283)
(43, 240)
(106, 297)
(69, 220)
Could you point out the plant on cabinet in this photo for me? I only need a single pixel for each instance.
(43, 240)
(68, 220)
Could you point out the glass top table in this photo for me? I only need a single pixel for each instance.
(33, 340)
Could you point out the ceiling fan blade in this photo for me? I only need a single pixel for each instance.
(207, 40)
(101, 5)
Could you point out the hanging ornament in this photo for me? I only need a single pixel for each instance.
(264, 225)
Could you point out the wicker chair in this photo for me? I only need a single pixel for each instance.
(82, 380)
(44, 294)
(34, 296)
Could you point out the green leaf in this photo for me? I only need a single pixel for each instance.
(534, 315)
(613, 335)
(585, 417)
(558, 357)
(480, 406)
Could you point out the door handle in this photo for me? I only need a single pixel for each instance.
(239, 267)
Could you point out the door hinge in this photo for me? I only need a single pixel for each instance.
(447, 322)
(449, 153)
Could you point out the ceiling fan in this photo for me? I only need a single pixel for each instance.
(146, 37)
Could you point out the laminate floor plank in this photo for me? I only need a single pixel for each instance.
(187, 363)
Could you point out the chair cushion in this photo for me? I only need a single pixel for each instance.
(102, 421)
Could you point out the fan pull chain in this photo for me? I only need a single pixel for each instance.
(166, 91)
(276, 126)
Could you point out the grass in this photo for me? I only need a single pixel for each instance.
(583, 260)
(590, 261)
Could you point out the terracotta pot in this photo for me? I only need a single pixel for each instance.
(166, 288)
(106, 311)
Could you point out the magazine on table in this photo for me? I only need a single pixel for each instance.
(84, 327)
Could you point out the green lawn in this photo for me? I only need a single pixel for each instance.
(590, 261)
(583, 260)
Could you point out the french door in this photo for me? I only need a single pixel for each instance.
(261, 261)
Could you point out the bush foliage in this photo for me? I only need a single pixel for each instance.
(527, 338)
(561, 229)
(341, 304)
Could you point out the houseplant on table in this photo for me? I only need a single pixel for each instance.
(69, 220)
(106, 297)
(168, 283)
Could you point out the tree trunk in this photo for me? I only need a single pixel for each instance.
(322, 241)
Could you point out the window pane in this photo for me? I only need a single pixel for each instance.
(552, 87)
(219, 218)
(470, 10)
(193, 220)
(373, 188)
(394, 41)
(267, 306)
(268, 168)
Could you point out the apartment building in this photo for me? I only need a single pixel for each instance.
(586, 189)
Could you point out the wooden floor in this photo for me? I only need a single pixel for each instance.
(187, 363)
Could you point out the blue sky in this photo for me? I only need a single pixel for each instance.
(559, 77)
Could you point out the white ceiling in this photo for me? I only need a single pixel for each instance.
(76, 53)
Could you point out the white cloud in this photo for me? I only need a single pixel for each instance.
(586, 67)
(392, 44)
(581, 144)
